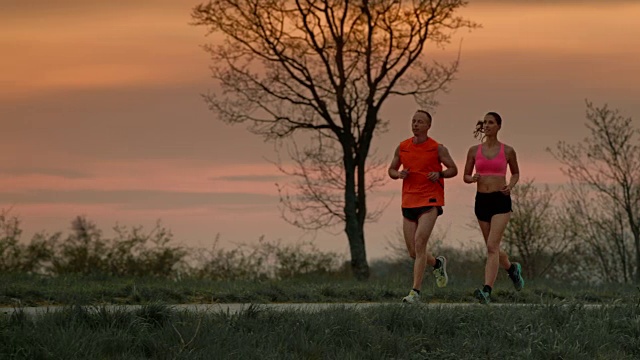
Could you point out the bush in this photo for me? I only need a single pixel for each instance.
(132, 252)
(265, 260)
(85, 251)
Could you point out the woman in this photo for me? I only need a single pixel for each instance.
(493, 199)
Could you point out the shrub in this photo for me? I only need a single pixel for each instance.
(266, 260)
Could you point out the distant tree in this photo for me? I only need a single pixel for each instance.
(10, 249)
(603, 250)
(323, 69)
(535, 233)
(605, 169)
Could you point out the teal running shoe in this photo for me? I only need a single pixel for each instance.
(482, 296)
(516, 277)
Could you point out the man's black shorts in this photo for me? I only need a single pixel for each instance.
(413, 214)
(493, 203)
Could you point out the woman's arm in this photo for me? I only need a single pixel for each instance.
(468, 166)
(512, 160)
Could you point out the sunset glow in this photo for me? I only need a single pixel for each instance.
(102, 114)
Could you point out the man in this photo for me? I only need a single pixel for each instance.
(422, 176)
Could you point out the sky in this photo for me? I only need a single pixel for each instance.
(101, 115)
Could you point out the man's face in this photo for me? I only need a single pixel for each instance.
(420, 124)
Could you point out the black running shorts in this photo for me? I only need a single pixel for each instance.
(413, 214)
(493, 203)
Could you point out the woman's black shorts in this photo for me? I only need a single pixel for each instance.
(413, 214)
(493, 203)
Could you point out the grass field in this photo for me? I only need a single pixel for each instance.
(30, 290)
(560, 326)
(392, 331)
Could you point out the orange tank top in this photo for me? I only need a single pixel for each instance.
(419, 160)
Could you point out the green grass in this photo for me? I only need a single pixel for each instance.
(393, 331)
(560, 327)
(31, 290)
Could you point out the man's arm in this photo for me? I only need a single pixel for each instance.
(446, 159)
(395, 166)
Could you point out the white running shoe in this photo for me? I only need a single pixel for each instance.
(413, 297)
(441, 273)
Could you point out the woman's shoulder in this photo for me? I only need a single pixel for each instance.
(508, 149)
(474, 148)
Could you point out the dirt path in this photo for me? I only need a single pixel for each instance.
(237, 307)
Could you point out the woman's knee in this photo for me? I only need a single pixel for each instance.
(493, 249)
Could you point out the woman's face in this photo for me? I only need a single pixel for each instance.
(491, 126)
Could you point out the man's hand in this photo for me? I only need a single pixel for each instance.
(433, 176)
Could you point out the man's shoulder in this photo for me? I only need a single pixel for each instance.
(405, 143)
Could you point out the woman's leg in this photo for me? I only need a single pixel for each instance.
(495, 257)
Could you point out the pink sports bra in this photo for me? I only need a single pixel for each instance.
(496, 166)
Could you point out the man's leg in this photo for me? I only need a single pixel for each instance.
(426, 223)
(409, 231)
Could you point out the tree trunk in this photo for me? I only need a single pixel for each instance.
(637, 244)
(359, 264)
(634, 225)
(353, 226)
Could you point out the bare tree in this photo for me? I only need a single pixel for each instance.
(608, 163)
(323, 69)
(603, 250)
(534, 233)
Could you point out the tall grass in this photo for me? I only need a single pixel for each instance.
(34, 290)
(382, 332)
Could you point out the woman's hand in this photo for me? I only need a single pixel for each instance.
(474, 178)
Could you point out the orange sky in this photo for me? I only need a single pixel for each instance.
(102, 116)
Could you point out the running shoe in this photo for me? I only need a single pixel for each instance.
(413, 297)
(483, 296)
(441, 272)
(516, 276)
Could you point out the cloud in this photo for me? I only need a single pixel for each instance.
(250, 178)
(56, 172)
(133, 199)
(12, 8)
(97, 44)
(552, 2)
(131, 123)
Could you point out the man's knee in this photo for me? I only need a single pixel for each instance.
(420, 253)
